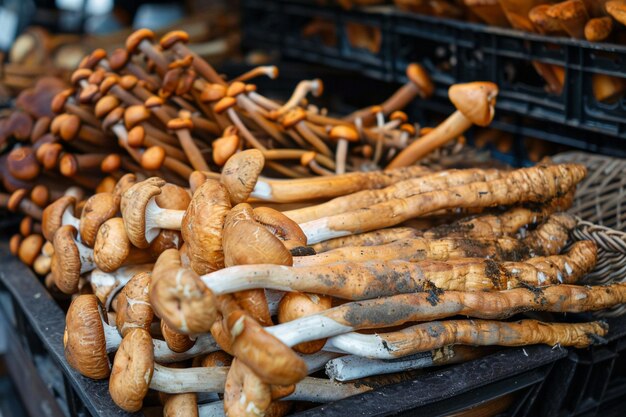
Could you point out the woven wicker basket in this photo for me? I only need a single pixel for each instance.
(600, 206)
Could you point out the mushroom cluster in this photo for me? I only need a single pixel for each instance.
(156, 108)
(227, 296)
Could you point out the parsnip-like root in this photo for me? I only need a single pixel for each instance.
(428, 336)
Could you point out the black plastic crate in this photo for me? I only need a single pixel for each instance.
(455, 51)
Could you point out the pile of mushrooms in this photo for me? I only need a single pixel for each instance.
(156, 108)
(236, 295)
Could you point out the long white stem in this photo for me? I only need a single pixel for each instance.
(85, 254)
(204, 344)
(68, 218)
(318, 231)
(365, 345)
(177, 381)
(317, 361)
(341, 156)
(351, 367)
(306, 329)
(158, 218)
(112, 337)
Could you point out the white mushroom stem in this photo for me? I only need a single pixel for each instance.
(68, 218)
(340, 156)
(112, 337)
(85, 254)
(378, 151)
(204, 344)
(351, 367)
(158, 218)
(109, 283)
(364, 345)
(320, 390)
(270, 71)
(263, 101)
(318, 361)
(178, 381)
(307, 328)
(303, 88)
(243, 129)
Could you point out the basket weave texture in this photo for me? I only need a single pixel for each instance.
(600, 206)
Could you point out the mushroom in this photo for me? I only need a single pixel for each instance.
(342, 134)
(315, 87)
(475, 105)
(182, 126)
(295, 305)
(71, 164)
(29, 249)
(112, 248)
(57, 214)
(176, 41)
(98, 209)
(177, 342)
(133, 305)
(88, 339)
(20, 201)
(134, 372)
(140, 40)
(71, 259)
(598, 29)
(106, 285)
(22, 163)
(225, 146)
(143, 218)
(419, 83)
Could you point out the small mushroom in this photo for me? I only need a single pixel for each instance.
(112, 248)
(143, 217)
(342, 134)
(98, 209)
(30, 248)
(57, 214)
(475, 105)
(295, 305)
(133, 305)
(572, 15)
(71, 259)
(176, 341)
(240, 174)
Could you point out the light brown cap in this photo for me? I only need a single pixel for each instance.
(475, 100)
(345, 132)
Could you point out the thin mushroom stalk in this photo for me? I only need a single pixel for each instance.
(475, 103)
(421, 307)
(537, 184)
(432, 335)
(367, 280)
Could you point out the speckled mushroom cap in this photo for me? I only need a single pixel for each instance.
(84, 338)
(133, 208)
(181, 405)
(132, 370)
(66, 263)
(248, 242)
(173, 197)
(111, 246)
(202, 226)
(53, 215)
(240, 174)
(180, 297)
(475, 100)
(98, 209)
(133, 304)
(176, 341)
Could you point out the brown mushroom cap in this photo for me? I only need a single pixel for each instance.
(118, 59)
(202, 226)
(66, 262)
(418, 76)
(167, 239)
(153, 158)
(293, 117)
(294, 305)
(399, 114)
(566, 10)
(135, 38)
(135, 115)
(345, 132)
(80, 74)
(105, 105)
(212, 92)
(247, 241)
(128, 81)
(16, 198)
(169, 39)
(226, 146)
(30, 248)
(114, 117)
(23, 164)
(179, 297)
(53, 215)
(173, 197)
(241, 172)
(108, 82)
(111, 163)
(181, 405)
(224, 104)
(98, 209)
(177, 342)
(91, 60)
(14, 244)
(217, 358)
(48, 155)
(123, 184)
(132, 370)
(133, 305)
(136, 136)
(235, 88)
(180, 123)
(40, 195)
(40, 128)
(58, 101)
(84, 338)
(111, 245)
(281, 226)
(244, 392)
(475, 100)
(133, 208)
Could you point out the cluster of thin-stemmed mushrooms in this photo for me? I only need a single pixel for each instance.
(160, 109)
(245, 301)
